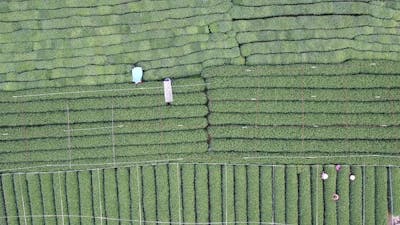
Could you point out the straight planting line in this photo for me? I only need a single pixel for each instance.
(316, 199)
(363, 195)
(160, 162)
(94, 128)
(318, 157)
(140, 195)
(179, 192)
(105, 90)
(61, 196)
(112, 131)
(157, 222)
(226, 193)
(101, 210)
(391, 193)
(22, 198)
(93, 164)
(69, 139)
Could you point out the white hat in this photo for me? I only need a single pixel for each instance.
(352, 177)
(324, 176)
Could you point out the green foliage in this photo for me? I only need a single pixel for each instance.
(149, 193)
(381, 195)
(395, 172)
(279, 190)
(253, 193)
(86, 196)
(73, 199)
(111, 198)
(317, 195)
(266, 194)
(201, 196)
(356, 196)
(292, 195)
(368, 194)
(343, 211)
(329, 188)
(305, 193)
(10, 201)
(216, 193)
(240, 193)
(48, 195)
(163, 189)
(188, 194)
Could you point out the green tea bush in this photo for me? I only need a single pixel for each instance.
(73, 199)
(202, 192)
(162, 190)
(136, 193)
(253, 193)
(369, 195)
(149, 194)
(279, 195)
(267, 213)
(356, 196)
(381, 195)
(10, 201)
(329, 185)
(317, 194)
(240, 193)
(3, 204)
(175, 198)
(216, 193)
(86, 196)
(35, 198)
(342, 186)
(188, 193)
(292, 195)
(395, 172)
(305, 193)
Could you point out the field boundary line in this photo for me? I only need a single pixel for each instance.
(157, 222)
(316, 199)
(317, 157)
(69, 139)
(363, 195)
(93, 128)
(179, 192)
(391, 193)
(104, 90)
(61, 202)
(22, 198)
(140, 194)
(226, 193)
(112, 131)
(101, 210)
(129, 164)
(159, 162)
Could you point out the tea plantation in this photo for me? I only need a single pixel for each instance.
(268, 94)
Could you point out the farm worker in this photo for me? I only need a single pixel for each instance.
(324, 176)
(352, 177)
(335, 197)
(168, 91)
(137, 74)
(338, 167)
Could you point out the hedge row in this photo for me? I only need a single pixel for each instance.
(395, 175)
(336, 56)
(102, 103)
(323, 8)
(386, 133)
(101, 115)
(318, 83)
(308, 94)
(380, 35)
(311, 22)
(351, 67)
(342, 187)
(298, 107)
(249, 145)
(314, 45)
(303, 199)
(266, 119)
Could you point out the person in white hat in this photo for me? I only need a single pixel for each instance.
(324, 175)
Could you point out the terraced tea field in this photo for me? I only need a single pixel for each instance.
(177, 194)
(267, 95)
